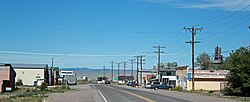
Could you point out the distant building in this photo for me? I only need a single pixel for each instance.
(124, 79)
(168, 76)
(207, 79)
(69, 77)
(29, 73)
(7, 77)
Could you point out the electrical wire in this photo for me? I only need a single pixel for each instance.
(220, 15)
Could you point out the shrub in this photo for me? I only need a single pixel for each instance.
(43, 86)
(19, 82)
(178, 88)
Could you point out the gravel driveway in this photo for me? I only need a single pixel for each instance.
(83, 93)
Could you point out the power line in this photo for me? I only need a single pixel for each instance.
(220, 15)
(230, 28)
(84, 30)
(229, 22)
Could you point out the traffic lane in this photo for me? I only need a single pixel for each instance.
(153, 96)
(116, 95)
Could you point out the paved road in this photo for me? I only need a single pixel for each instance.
(121, 94)
(115, 93)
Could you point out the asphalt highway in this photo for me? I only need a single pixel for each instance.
(112, 93)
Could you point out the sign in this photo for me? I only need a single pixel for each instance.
(115, 79)
(189, 76)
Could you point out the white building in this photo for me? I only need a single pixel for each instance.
(29, 73)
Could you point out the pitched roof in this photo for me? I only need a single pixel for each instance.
(30, 66)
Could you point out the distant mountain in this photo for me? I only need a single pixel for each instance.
(92, 74)
(81, 69)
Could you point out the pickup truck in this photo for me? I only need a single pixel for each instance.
(157, 86)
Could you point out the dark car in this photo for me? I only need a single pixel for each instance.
(159, 85)
(132, 84)
(107, 82)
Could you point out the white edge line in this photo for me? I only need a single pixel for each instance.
(101, 94)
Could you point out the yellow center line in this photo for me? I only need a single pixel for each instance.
(133, 94)
(144, 98)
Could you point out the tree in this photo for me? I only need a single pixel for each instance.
(167, 65)
(203, 60)
(239, 77)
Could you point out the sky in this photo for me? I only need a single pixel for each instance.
(92, 33)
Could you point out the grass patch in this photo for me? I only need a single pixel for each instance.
(30, 94)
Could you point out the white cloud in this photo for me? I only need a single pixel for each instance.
(220, 4)
(206, 4)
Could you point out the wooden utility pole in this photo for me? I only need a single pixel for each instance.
(132, 67)
(159, 60)
(141, 62)
(104, 71)
(118, 68)
(124, 70)
(193, 31)
(112, 70)
(137, 70)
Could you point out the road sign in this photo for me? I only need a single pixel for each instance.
(189, 76)
(115, 79)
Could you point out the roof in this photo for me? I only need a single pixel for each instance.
(127, 77)
(30, 66)
(210, 73)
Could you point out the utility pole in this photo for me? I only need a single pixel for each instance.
(137, 70)
(159, 60)
(104, 71)
(51, 72)
(141, 62)
(193, 31)
(118, 64)
(124, 74)
(132, 67)
(112, 70)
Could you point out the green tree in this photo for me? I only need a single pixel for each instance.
(167, 65)
(239, 77)
(203, 60)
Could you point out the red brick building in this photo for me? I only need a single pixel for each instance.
(7, 77)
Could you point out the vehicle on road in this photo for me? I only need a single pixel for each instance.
(132, 84)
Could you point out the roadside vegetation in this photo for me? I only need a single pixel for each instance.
(31, 94)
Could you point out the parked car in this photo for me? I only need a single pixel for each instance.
(149, 85)
(107, 82)
(130, 83)
(159, 85)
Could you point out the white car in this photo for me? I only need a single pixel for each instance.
(148, 86)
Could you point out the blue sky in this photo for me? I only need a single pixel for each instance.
(92, 33)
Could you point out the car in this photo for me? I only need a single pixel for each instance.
(107, 82)
(159, 85)
(148, 86)
(132, 84)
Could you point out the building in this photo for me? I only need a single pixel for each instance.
(168, 76)
(69, 77)
(7, 78)
(181, 74)
(207, 79)
(29, 73)
(124, 79)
